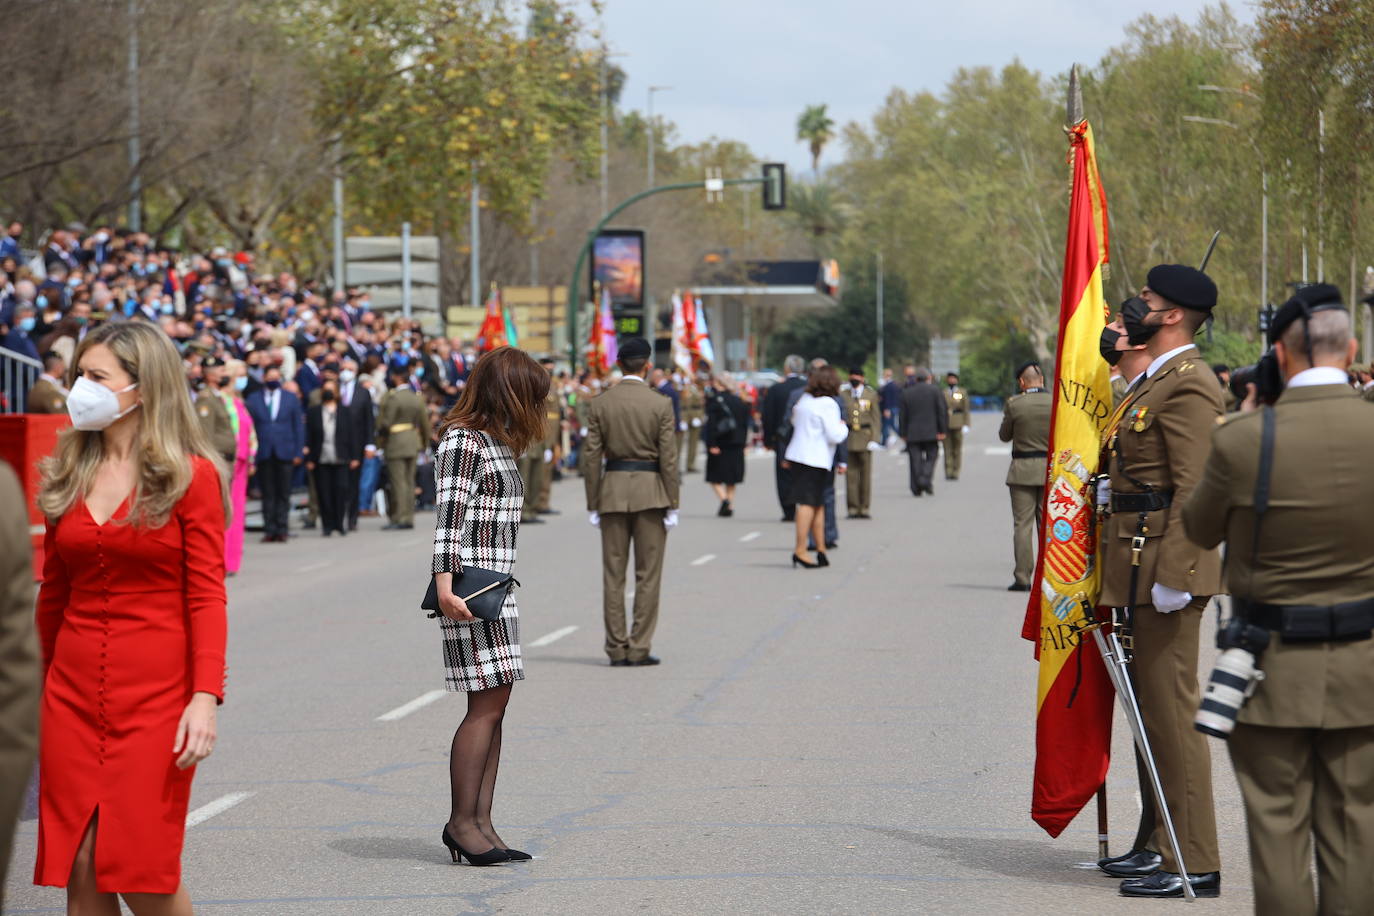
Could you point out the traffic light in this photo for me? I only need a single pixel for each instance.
(774, 186)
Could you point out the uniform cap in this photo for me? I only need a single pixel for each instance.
(1183, 285)
(635, 348)
(1317, 297)
(211, 362)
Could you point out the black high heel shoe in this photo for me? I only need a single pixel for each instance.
(822, 559)
(492, 856)
(518, 856)
(798, 561)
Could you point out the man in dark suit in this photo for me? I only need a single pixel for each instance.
(308, 376)
(774, 413)
(334, 452)
(357, 405)
(923, 423)
(280, 425)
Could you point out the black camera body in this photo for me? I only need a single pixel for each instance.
(1239, 633)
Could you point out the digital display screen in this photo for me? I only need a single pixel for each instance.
(618, 266)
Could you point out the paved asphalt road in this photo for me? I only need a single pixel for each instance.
(850, 740)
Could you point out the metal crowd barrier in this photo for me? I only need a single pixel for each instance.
(17, 375)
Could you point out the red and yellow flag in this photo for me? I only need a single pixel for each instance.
(1075, 696)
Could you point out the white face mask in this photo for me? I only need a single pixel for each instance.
(347, 376)
(92, 406)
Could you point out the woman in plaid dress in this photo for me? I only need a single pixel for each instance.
(479, 493)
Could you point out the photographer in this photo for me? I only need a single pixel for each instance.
(1302, 574)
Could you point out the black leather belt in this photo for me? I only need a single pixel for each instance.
(1017, 453)
(624, 464)
(1142, 502)
(1350, 620)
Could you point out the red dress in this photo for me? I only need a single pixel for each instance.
(132, 621)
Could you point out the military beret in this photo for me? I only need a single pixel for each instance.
(1183, 285)
(1316, 297)
(856, 370)
(635, 348)
(211, 362)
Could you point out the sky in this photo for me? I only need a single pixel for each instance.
(744, 69)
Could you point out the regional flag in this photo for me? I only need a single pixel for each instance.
(493, 332)
(1074, 699)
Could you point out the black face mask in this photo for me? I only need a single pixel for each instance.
(1107, 346)
(1133, 313)
(273, 385)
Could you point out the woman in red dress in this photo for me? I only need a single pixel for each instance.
(131, 615)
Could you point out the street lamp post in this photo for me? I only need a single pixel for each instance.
(650, 123)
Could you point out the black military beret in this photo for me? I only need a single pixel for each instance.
(635, 348)
(211, 362)
(1183, 285)
(1020, 370)
(1317, 297)
(856, 370)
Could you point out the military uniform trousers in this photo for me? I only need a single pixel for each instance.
(1025, 517)
(690, 440)
(531, 465)
(545, 486)
(1301, 782)
(400, 505)
(619, 530)
(1165, 669)
(859, 481)
(954, 452)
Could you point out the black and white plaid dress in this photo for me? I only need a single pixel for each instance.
(479, 493)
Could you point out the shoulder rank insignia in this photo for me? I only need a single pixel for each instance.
(1136, 418)
(204, 411)
(1185, 367)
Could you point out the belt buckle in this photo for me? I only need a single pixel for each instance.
(1126, 639)
(1137, 547)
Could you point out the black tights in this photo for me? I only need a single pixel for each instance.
(472, 764)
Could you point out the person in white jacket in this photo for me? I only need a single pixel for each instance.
(817, 428)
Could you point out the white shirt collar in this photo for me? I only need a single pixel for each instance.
(1164, 358)
(626, 378)
(1318, 375)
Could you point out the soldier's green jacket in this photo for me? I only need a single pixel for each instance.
(863, 415)
(1026, 425)
(960, 408)
(693, 404)
(1316, 545)
(213, 414)
(631, 422)
(1162, 441)
(402, 423)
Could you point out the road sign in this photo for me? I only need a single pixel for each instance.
(944, 356)
(396, 270)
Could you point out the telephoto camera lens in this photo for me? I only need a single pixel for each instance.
(1233, 680)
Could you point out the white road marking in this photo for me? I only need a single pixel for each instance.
(316, 566)
(748, 537)
(553, 637)
(703, 559)
(218, 806)
(420, 702)
(997, 450)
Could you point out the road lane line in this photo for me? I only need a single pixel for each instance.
(553, 637)
(997, 450)
(218, 806)
(749, 537)
(316, 566)
(420, 702)
(703, 559)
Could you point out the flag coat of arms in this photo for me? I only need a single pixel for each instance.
(1074, 696)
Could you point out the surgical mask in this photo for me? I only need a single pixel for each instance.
(1133, 313)
(1107, 346)
(347, 376)
(224, 381)
(27, 324)
(80, 320)
(93, 407)
(167, 308)
(273, 385)
(41, 302)
(419, 371)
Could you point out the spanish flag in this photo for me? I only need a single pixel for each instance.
(1075, 696)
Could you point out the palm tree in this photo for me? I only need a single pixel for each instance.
(817, 129)
(820, 212)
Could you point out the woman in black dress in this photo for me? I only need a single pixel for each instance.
(725, 432)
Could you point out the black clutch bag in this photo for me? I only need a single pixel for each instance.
(482, 590)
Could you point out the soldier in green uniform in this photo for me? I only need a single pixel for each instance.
(553, 431)
(1303, 748)
(694, 415)
(632, 498)
(213, 412)
(48, 395)
(1157, 445)
(864, 416)
(403, 429)
(1026, 425)
(960, 414)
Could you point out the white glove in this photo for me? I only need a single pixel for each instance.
(682, 427)
(696, 421)
(548, 455)
(1104, 491)
(670, 519)
(582, 432)
(1167, 600)
(968, 429)
(594, 518)
(874, 447)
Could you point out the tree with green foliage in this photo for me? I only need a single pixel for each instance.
(816, 129)
(847, 335)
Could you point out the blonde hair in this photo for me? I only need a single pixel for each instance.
(168, 434)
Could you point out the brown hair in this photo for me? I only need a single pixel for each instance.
(824, 382)
(504, 398)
